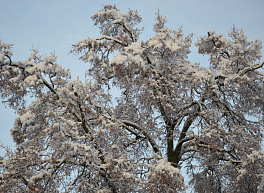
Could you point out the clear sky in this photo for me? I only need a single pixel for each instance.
(54, 25)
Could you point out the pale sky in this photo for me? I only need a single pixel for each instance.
(54, 25)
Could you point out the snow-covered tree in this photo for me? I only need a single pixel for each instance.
(168, 113)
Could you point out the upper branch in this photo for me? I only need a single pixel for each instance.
(250, 68)
(126, 30)
(111, 39)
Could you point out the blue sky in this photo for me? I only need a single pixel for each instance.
(54, 25)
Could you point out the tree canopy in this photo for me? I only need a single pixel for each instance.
(167, 113)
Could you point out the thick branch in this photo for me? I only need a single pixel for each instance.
(176, 157)
(170, 140)
(49, 86)
(144, 132)
(190, 105)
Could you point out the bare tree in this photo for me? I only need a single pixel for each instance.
(170, 113)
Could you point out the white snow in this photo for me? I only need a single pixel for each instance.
(165, 166)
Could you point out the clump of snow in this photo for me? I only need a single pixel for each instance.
(119, 59)
(241, 172)
(31, 80)
(2, 57)
(26, 116)
(164, 166)
(127, 175)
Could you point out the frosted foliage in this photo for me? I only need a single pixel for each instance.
(168, 113)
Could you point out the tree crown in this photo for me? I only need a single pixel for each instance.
(168, 113)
